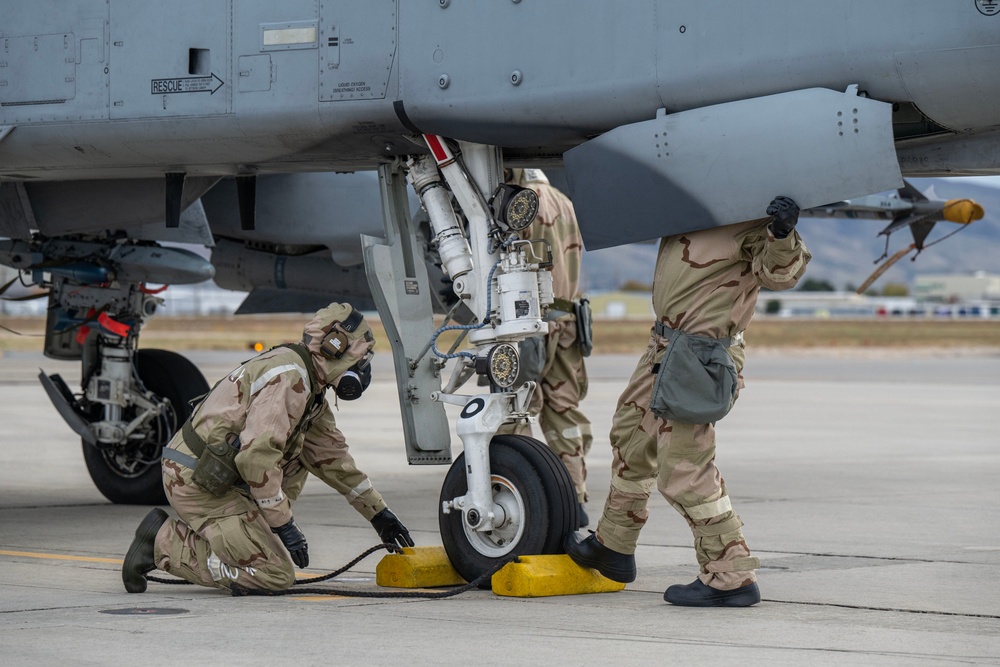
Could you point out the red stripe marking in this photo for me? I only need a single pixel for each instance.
(117, 328)
(437, 149)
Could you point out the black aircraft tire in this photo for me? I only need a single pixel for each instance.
(171, 376)
(526, 474)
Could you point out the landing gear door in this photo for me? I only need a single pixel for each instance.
(401, 289)
(723, 164)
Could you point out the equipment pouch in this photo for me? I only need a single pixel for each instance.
(584, 327)
(696, 382)
(531, 356)
(216, 470)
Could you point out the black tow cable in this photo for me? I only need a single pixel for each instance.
(391, 548)
(240, 591)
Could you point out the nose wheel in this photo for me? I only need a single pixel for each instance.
(532, 490)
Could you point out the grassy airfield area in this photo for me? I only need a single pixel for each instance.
(610, 336)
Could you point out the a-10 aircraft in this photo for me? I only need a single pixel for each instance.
(123, 121)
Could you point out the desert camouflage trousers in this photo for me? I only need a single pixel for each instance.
(218, 541)
(679, 459)
(556, 403)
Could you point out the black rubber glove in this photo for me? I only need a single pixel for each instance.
(784, 215)
(390, 529)
(294, 541)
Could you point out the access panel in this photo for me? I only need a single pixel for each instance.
(357, 49)
(170, 59)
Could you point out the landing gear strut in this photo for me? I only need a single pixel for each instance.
(505, 494)
(128, 472)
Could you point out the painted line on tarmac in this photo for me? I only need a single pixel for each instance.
(85, 559)
(118, 561)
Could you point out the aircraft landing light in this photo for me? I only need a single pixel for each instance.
(417, 567)
(542, 576)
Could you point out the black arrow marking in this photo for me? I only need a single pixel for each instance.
(191, 84)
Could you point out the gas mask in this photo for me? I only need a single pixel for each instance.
(355, 379)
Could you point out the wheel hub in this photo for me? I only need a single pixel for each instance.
(508, 522)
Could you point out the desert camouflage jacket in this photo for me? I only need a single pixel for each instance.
(707, 282)
(263, 402)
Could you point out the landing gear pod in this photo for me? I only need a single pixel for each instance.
(128, 471)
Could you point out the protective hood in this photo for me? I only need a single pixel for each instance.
(524, 176)
(337, 338)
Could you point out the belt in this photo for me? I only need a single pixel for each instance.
(179, 457)
(197, 445)
(662, 330)
(192, 439)
(194, 443)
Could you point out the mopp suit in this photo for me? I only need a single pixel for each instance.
(563, 381)
(272, 410)
(705, 286)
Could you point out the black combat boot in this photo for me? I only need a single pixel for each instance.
(591, 553)
(697, 594)
(139, 559)
(582, 515)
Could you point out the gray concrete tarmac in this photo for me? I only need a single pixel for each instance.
(867, 484)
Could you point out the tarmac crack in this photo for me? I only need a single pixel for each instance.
(897, 559)
(50, 507)
(28, 611)
(967, 659)
(888, 609)
(571, 632)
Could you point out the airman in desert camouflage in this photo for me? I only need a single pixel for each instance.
(271, 417)
(706, 285)
(563, 380)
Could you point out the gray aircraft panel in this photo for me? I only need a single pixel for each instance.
(67, 207)
(557, 70)
(55, 61)
(16, 218)
(357, 49)
(191, 72)
(304, 209)
(711, 55)
(265, 300)
(665, 176)
(925, 75)
(537, 78)
(193, 228)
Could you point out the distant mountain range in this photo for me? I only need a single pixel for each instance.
(844, 251)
